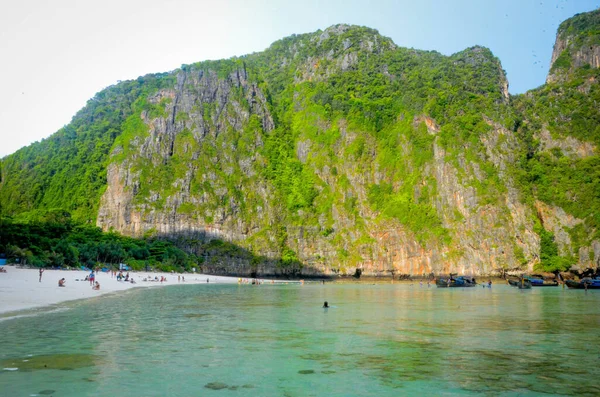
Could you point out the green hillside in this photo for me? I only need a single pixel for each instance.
(335, 151)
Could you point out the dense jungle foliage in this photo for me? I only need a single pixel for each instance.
(54, 240)
(58, 242)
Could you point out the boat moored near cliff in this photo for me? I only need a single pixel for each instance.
(584, 283)
(534, 280)
(454, 281)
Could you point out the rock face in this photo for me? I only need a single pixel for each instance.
(569, 146)
(214, 189)
(577, 45)
(201, 108)
(337, 151)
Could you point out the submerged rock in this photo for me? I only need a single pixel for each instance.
(216, 386)
(65, 362)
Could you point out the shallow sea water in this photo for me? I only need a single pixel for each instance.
(277, 340)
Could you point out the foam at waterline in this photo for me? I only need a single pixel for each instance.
(32, 312)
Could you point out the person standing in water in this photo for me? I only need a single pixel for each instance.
(326, 305)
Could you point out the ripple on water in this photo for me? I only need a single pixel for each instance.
(196, 315)
(520, 344)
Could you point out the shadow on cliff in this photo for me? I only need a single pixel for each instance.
(220, 257)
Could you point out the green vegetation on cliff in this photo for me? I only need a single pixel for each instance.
(67, 171)
(561, 176)
(310, 151)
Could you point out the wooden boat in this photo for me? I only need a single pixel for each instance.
(524, 284)
(581, 284)
(534, 281)
(455, 282)
(538, 280)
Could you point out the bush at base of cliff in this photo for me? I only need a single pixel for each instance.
(550, 260)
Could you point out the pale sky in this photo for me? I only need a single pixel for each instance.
(56, 54)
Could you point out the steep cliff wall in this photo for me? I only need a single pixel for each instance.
(336, 151)
(194, 166)
(577, 45)
(181, 155)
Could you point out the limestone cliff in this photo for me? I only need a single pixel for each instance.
(577, 45)
(213, 187)
(336, 151)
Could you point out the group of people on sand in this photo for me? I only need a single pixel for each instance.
(120, 276)
(91, 278)
(162, 279)
(62, 283)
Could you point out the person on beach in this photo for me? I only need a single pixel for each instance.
(41, 272)
(325, 305)
(92, 278)
(96, 286)
(61, 282)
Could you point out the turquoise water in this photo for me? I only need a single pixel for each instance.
(276, 340)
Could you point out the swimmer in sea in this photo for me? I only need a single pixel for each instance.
(325, 305)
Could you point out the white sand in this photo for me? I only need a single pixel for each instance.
(20, 289)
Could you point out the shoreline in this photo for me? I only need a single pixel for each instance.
(21, 290)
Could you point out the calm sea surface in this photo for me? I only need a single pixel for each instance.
(277, 340)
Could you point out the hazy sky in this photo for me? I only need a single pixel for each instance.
(56, 54)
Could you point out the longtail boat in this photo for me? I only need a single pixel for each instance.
(534, 281)
(590, 283)
(455, 282)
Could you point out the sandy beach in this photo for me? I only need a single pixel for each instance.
(20, 289)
